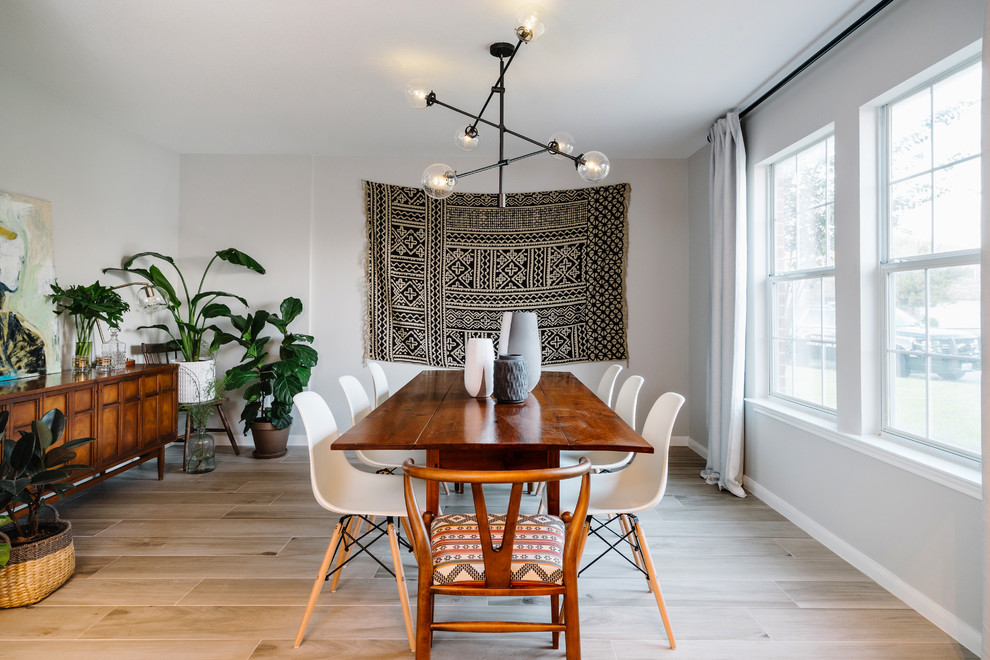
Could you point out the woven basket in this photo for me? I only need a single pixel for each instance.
(37, 569)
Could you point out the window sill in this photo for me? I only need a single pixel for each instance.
(963, 476)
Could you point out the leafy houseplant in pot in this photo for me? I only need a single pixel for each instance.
(87, 305)
(192, 313)
(36, 557)
(269, 385)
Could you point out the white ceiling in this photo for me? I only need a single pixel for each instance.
(635, 79)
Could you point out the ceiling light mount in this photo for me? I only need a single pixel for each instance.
(439, 179)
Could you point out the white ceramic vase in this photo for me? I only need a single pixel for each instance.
(479, 367)
(520, 335)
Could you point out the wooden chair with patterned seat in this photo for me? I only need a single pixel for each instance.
(484, 554)
(162, 354)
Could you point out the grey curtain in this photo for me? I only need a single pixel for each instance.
(726, 358)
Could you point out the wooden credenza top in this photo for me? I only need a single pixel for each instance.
(68, 379)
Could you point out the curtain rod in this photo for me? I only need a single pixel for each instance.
(814, 58)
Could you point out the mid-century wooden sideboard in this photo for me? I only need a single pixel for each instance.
(131, 413)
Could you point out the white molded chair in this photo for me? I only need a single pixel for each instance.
(383, 460)
(358, 496)
(607, 384)
(625, 407)
(379, 382)
(637, 488)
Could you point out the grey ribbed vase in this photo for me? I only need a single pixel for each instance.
(511, 379)
(520, 335)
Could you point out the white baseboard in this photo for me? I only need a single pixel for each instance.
(941, 617)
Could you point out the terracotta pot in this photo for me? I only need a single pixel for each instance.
(269, 442)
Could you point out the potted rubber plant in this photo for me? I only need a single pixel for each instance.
(86, 305)
(269, 385)
(192, 312)
(36, 556)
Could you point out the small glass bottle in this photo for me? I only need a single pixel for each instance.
(114, 349)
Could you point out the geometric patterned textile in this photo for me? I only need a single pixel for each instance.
(442, 271)
(537, 555)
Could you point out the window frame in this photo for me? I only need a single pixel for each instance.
(888, 265)
(797, 275)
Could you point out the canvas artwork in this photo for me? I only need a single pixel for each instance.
(29, 339)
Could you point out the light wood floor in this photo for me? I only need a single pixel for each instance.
(219, 565)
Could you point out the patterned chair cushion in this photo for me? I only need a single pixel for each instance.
(537, 557)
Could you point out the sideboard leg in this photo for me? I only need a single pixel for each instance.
(161, 463)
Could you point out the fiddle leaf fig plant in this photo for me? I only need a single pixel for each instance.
(269, 385)
(190, 311)
(87, 305)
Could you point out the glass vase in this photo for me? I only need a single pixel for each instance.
(201, 453)
(81, 357)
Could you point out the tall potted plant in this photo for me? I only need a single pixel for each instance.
(86, 305)
(192, 313)
(269, 385)
(36, 557)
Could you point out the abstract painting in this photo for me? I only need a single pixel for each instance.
(29, 338)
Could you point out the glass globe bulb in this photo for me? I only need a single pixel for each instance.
(565, 144)
(529, 22)
(416, 92)
(467, 138)
(149, 298)
(593, 166)
(439, 180)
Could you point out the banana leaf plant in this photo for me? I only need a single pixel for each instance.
(191, 312)
(86, 305)
(33, 469)
(269, 385)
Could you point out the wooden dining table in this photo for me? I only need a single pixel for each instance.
(434, 412)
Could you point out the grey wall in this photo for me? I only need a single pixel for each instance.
(699, 291)
(914, 530)
(304, 219)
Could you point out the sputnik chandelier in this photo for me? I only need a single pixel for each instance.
(439, 179)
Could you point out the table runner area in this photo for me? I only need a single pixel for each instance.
(442, 271)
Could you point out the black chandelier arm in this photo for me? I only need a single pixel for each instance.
(501, 163)
(499, 85)
(437, 101)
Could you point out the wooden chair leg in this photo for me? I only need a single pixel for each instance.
(352, 527)
(318, 584)
(652, 573)
(424, 621)
(226, 427)
(400, 580)
(446, 491)
(185, 444)
(572, 633)
(555, 618)
(627, 530)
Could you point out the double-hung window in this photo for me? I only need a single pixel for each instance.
(930, 264)
(802, 275)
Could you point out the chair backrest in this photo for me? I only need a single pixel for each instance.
(648, 472)
(357, 398)
(607, 384)
(158, 353)
(379, 382)
(497, 560)
(328, 469)
(625, 401)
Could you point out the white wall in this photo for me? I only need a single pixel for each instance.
(918, 536)
(310, 217)
(112, 193)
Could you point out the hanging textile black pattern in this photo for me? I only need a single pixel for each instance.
(442, 271)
